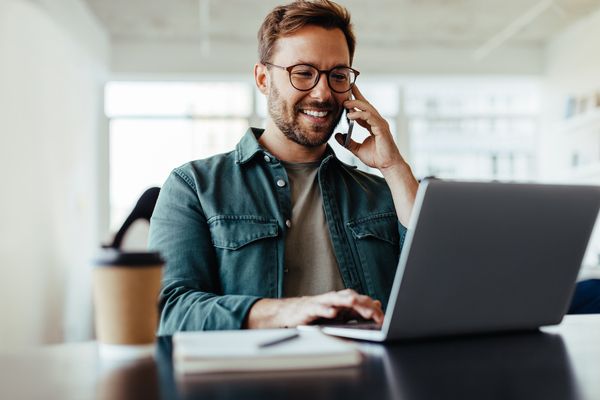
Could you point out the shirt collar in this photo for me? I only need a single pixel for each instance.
(248, 147)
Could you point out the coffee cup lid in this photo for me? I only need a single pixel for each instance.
(111, 256)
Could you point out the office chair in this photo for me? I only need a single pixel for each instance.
(586, 299)
(143, 210)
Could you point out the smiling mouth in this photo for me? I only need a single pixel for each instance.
(315, 113)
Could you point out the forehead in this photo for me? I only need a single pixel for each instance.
(321, 47)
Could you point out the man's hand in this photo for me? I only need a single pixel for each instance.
(285, 313)
(380, 151)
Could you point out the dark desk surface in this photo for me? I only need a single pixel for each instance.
(561, 362)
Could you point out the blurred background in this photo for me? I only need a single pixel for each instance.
(100, 99)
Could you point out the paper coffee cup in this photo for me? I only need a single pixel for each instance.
(126, 289)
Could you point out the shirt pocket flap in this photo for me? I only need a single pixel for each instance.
(234, 232)
(381, 226)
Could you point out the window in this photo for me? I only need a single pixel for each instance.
(457, 128)
(156, 126)
(473, 128)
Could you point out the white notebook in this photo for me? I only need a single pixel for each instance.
(242, 350)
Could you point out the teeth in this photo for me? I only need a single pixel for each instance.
(319, 114)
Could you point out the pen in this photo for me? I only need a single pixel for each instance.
(279, 340)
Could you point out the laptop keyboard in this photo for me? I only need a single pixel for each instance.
(366, 325)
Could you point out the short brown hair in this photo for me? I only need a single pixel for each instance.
(287, 19)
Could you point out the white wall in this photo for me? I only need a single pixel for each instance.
(53, 62)
(572, 69)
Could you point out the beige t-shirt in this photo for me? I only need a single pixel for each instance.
(310, 264)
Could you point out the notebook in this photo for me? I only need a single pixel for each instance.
(260, 350)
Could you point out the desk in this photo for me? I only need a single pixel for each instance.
(562, 362)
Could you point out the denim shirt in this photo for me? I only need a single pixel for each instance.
(220, 224)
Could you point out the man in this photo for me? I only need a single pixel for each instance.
(279, 232)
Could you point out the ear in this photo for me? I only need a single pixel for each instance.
(261, 78)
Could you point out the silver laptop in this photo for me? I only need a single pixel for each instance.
(486, 257)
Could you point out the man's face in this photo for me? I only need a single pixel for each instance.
(307, 118)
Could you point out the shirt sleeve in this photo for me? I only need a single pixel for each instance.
(190, 296)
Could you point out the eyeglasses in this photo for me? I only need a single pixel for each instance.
(305, 77)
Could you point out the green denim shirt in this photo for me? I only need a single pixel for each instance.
(220, 225)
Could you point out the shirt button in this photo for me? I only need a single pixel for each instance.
(280, 183)
(288, 223)
(267, 158)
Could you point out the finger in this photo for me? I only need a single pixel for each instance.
(360, 121)
(354, 295)
(360, 102)
(352, 146)
(357, 93)
(365, 301)
(360, 105)
(358, 114)
(372, 119)
(348, 298)
(373, 312)
(364, 124)
(319, 310)
(366, 307)
(364, 312)
(366, 115)
(342, 298)
(346, 314)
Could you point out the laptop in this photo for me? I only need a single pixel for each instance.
(485, 257)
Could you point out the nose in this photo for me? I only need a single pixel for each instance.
(322, 91)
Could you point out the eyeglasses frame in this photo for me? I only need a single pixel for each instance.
(320, 71)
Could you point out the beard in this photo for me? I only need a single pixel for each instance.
(286, 118)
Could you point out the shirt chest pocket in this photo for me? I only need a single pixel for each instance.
(378, 242)
(246, 249)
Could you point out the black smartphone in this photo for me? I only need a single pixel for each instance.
(350, 127)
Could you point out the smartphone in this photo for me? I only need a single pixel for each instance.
(350, 126)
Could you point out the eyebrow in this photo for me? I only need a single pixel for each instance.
(314, 65)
